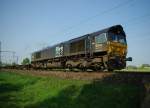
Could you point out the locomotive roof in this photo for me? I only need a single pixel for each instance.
(84, 36)
(95, 33)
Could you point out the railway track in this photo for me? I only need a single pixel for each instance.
(88, 75)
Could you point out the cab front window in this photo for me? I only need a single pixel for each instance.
(117, 38)
(122, 39)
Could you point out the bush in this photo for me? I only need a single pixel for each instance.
(26, 61)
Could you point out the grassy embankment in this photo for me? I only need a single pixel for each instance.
(138, 69)
(18, 91)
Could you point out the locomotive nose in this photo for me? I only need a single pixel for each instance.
(117, 49)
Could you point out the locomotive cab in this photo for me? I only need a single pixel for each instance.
(117, 48)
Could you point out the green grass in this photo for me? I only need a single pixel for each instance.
(19, 91)
(138, 70)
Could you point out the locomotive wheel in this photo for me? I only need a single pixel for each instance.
(98, 67)
(83, 68)
(69, 66)
(110, 70)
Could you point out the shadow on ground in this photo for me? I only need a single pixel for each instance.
(7, 97)
(115, 91)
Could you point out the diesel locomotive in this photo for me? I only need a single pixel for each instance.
(102, 50)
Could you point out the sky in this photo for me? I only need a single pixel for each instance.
(30, 25)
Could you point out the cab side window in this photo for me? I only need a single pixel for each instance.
(101, 38)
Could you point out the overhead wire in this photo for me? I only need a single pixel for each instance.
(144, 36)
(130, 21)
(120, 5)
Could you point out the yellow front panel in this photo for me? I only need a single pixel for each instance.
(115, 48)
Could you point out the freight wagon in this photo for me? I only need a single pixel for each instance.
(102, 50)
